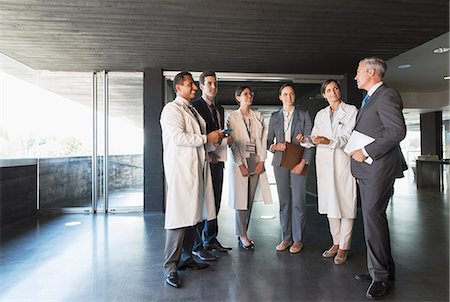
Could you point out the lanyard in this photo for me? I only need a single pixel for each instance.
(248, 127)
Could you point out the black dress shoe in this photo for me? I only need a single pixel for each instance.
(204, 255)
(217, 246)
(363, 277)
(377, 289)
(173, 280)
(193, 265)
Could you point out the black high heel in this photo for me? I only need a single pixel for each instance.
(246, 247)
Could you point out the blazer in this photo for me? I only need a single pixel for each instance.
(301, 124)
(202, 107)
(382, 119)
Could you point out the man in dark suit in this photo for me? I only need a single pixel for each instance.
(376, 166)
(213, 114)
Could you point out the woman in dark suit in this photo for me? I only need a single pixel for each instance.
(284, 126)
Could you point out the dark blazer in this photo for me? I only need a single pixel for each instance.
(382, 119)
(202, 108)
(301, 124)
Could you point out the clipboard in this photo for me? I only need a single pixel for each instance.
(292, 156)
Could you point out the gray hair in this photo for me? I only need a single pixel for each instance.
(376, 63)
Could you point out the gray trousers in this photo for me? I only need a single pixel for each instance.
(243, 216)
(178, 249)
(375, 195)
(291, 189)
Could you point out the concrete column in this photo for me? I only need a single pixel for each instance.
(153, 167)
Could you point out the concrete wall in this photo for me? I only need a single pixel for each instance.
(18, 187)
(66, 182)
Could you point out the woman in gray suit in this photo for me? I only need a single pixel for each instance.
(284, 126)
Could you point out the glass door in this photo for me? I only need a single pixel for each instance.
(119, 137)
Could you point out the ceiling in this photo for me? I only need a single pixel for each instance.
(283, 36)
(277, 37)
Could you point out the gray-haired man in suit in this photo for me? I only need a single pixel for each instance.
(376, 166)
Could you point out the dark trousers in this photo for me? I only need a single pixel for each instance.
(375, 195)
(206, 231)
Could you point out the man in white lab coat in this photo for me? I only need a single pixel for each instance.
(189, 196)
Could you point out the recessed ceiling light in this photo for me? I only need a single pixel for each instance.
(440, 50)
(447, 78)
(403, 66)
(72, 223)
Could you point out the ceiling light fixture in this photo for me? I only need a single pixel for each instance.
(447, 78)
(440, 50)
(403, 66)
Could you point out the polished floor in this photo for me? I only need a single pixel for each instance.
(118, 257)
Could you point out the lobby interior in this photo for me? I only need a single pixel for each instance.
(82, 184)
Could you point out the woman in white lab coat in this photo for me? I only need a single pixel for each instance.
(247, 168)
(336, 186)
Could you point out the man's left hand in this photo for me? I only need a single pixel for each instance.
(358, 156)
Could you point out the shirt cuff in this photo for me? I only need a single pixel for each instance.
(365, 152)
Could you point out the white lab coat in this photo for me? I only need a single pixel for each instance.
(238, 184)
(189, 197)
(335, 184)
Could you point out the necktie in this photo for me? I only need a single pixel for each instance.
(364, 101)
(214, 115)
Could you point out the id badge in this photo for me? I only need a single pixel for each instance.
(251, 148)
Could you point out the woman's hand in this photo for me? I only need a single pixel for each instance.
(244, 170)
(320, 140)
(300, 138)
(279, 147)
(259, 169)
(298, 169)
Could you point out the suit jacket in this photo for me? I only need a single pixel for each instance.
(202, 107)
(301, 124)
(382, 119)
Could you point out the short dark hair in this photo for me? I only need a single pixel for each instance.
(325, 84)
(208, 73)
(284, 86)
(239, 90)
(179, 79)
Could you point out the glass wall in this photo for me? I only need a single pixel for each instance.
(126, 141)
(50, 116)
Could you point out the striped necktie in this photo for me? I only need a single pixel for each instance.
(365, 99)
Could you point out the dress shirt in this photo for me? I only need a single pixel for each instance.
(287, 122)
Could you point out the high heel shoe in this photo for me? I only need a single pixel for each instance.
(329, 253)
(249, 247)
(341, 260)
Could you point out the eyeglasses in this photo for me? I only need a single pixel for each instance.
(252, 94)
